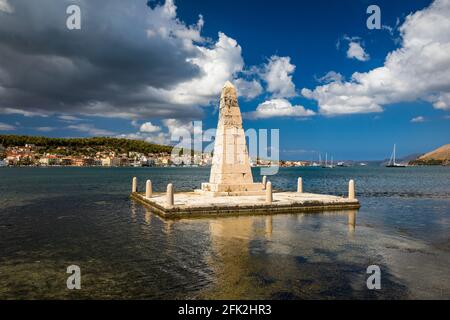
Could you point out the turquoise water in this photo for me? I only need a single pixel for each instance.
(51, 218)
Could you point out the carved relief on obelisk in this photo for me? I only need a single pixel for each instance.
(230, 172)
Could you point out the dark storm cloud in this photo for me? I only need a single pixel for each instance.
(105, 68)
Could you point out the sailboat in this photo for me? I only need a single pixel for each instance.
(326, 161)
(392, 163)
(327, 165)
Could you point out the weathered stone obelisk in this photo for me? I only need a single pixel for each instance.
(230, 172)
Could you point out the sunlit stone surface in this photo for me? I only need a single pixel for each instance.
(230, 172)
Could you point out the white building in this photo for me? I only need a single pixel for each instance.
(111, 162)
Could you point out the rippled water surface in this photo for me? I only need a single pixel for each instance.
(52, 218)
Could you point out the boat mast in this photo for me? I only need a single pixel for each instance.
(394, 155)
(391, 157)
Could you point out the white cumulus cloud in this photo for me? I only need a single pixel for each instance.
(175, 131)
(149, 127)
(279, 108)
(248, 89)
(356, 51)
(277, 73)
(218, 64)
(418, 70)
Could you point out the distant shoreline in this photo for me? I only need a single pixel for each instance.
(206, 166)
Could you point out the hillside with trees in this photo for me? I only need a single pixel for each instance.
(84, 145)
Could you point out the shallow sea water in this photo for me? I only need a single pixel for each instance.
(51, 218)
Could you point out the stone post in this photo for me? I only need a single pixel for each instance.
(148, 189)
(269, 196)
(351, 190)
(169, 195)
(134, 185)
(264, 182)
(300, 185)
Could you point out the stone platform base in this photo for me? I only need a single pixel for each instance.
(218, 190)
(192, 204)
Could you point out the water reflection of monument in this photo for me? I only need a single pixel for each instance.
(240, 247)
(231, 240)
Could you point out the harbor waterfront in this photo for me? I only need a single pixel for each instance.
(55, 217)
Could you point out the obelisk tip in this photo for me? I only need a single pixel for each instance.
(228, 84)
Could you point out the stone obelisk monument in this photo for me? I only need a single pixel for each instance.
(231, 189)
(230, 172)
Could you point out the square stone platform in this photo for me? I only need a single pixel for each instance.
(192, 204)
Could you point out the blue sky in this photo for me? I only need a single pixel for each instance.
(282, 51)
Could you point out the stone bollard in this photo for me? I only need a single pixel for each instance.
(264, 182)
(300, 185)
(134, 185)
(269, 196)
(148, 189)
(351, 190)
(169, 195)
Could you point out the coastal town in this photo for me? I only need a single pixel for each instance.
(32, 155)
(40, 156)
